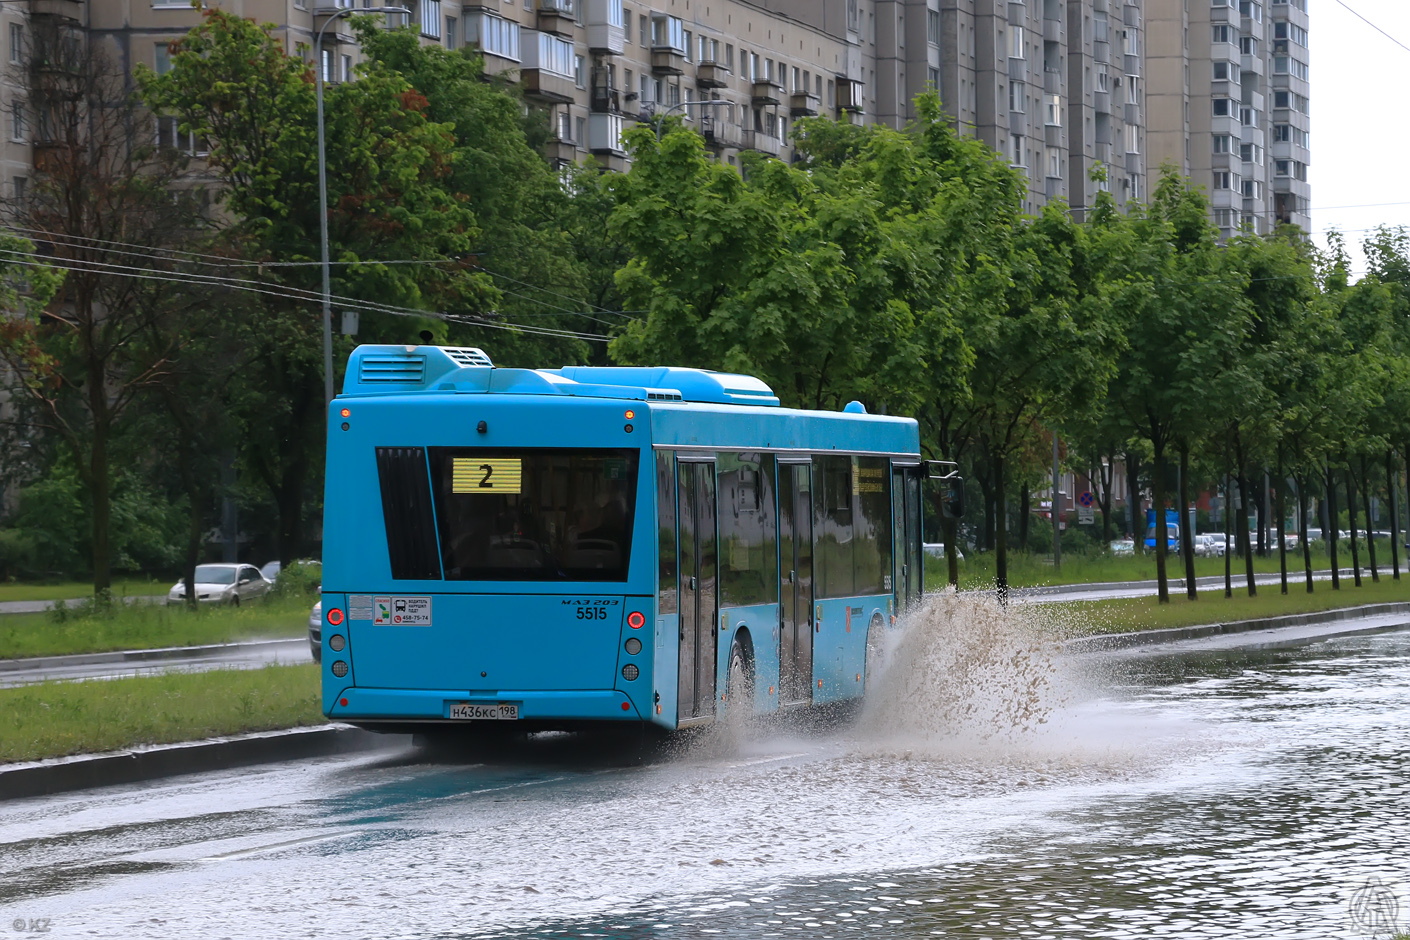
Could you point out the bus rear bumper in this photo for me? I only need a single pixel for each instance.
(432, 706)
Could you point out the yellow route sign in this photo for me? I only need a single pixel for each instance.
(496, 475)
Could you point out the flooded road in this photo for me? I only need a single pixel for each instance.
(993, 788)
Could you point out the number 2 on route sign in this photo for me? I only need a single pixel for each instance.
(494, 475)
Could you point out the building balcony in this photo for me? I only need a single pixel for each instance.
(557, 17)
(1101, 101)
(1053, 31)
(1131, 64)
(605, 101)
(605, 135)
(1052, 135)
(561, 151)
(1131, 113)
(763, 142)
(710, 74)
(1135, 163)
(62, 9)
(1052, 81)
(803, 104)
(766, 92)
(666, 60)
(1101, 52)
(543, 85)
(720, 135)
(605, 39)
(1018, 69)
(849, 96)
(340, 33)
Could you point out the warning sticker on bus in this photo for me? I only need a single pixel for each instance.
(402, 611)
(488, 475)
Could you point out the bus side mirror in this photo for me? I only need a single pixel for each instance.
(953, 507)
(948, 472)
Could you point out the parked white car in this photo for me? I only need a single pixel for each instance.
(223, 584)
(937, 550)
(1210, 544)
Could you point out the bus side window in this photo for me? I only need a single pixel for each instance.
(666, 602)
(832, 527)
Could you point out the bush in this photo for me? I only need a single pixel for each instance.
(301, 578)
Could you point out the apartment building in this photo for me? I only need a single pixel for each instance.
(1080, 95)
(1232, 109)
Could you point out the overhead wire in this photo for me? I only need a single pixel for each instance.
(79, 265)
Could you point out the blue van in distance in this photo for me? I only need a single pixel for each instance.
(1172, 530)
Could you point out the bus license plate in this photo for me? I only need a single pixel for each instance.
(473, 711)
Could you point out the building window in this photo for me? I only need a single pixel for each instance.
(932, 27)
(627, 26)
(1249, 117)
(1253, 189)
(1224, 218)
(1251, 9)
(495, 35)
(170, 137)
(579, 72)
(17, 44)
(161, 57)
(1248, 46)
(1223, 33)
(21, 189)
(1223, 107)
(1015, 42)
(1223, 179)
(452, 36)
(1054, 162)
(18, 122)
(932, 79)
(1223, 143)
(1226, 72)
(689, 44)
(1053, 111)
(345, 68)
(1251, 153)
(429, 14)
(1287, 65)
(1016, 150)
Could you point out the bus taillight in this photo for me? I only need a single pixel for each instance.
(335, 616)
(636, 620)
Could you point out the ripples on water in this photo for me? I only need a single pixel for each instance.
(991, 787)
(999, 788)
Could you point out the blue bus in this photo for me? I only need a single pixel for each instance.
(561, 547)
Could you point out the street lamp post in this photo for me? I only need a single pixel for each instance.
(331, 15)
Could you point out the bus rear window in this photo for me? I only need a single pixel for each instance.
(534, 514)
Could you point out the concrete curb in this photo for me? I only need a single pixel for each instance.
(1113, 641)
(84, 771)
(132, 656)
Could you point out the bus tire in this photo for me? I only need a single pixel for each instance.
(739, 681)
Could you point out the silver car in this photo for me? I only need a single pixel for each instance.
(223, 584)
(315, 632)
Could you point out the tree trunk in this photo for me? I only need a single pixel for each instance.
(1023, 516)
(1331, 528)
(1351, 522)
(1001, 547)
(1105, 472)
(191, 553)
(1393, 499)
(1133, 503)
(951, 532)
(1302, 530)
(1162, 538)
(1280, 510)
(1370, 526)
(1187, 538)
(1244, 491)
(1228, 535)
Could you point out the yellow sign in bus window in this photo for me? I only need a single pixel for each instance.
(497, 475)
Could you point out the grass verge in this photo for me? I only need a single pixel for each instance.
(145, 626)
(1031, 570)
(75, 590)
(1123, 615)
(55, 719)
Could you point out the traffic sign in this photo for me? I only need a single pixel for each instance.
(1087, 499)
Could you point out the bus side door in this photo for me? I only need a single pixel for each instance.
(696, 527)
(795, 543)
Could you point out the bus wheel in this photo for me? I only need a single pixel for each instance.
(739, 685)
